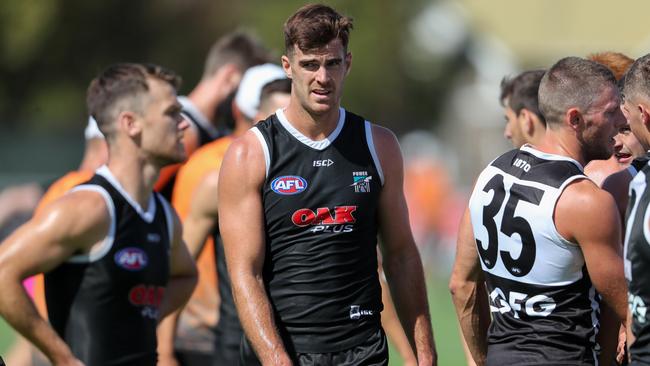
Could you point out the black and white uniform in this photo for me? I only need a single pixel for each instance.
(105, 304)
(637, 259)
(544, 307)
(321, 219)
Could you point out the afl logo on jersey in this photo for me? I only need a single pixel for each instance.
(289, 184)
(131, 259)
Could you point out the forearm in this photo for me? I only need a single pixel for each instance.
(608, 335)
(19, 311)
(257, 320)
(165, 333)
(392, 326)
(178, 291)
(470, 301)
(406, 281)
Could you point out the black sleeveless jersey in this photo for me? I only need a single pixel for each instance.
(105, 304)
(228, 331)
(637, 260)
(544, 307)
(320, 206)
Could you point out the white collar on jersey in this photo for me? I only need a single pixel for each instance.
(199, 117)
(318, 145)
(548, 156)
(147, 216)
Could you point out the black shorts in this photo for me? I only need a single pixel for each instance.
(372, 352)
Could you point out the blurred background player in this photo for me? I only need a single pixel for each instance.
(263, 89)
(95, 155)
(524, 122)
(207, 106)
(111, 250)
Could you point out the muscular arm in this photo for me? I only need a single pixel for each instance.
(241, 224)
(598, 232)
(202, 217)
(617, 185)
(467, 288)
(72, 224)
(401, 260)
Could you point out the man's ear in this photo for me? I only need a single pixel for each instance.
(526, 120)
(645, 115)
(573, 118)
(286, 65)
(129, 123)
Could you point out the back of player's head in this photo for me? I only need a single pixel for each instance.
(314, 26)
(637, 79)
(521, 92)
(248, 95)
(239, 48)
(572, 82)
(267, 104)
(121, 87)
(616, 62)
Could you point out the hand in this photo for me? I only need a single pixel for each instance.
(621, 347)
(167, 360)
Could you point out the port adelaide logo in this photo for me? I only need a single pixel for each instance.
(361, 182)
(288, 184)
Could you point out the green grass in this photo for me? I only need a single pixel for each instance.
(445, 328)
(450, 351)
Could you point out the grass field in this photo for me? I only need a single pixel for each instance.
(450, 351)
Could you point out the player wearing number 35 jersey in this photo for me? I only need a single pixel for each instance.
(543, 237)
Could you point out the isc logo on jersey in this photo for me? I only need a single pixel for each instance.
(131, 259)
(288, 184)
(340, 219)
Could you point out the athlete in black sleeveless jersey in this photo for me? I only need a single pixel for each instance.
(636, 109)
(542, 236)
(302, 197)
(112, 251)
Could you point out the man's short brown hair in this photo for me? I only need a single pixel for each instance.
(121, 86)
(572, 82)
(314, 26)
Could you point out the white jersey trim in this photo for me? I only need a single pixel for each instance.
(197, 116)
(559, 236)
(265, 149)
(373, 152)
(99, 250)
(168, 217)
(148, 215)
(547, 156)
(318, 145)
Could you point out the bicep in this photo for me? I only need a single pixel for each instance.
(202, 217)
(240, 208)
(68, 226)
(393, 213)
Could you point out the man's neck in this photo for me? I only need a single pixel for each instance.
(315, 127)
(558, 143)
(136, 176)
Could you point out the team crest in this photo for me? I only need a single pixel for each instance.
(361, 182)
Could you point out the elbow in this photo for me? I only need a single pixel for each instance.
(459, 287)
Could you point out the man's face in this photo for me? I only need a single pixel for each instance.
(602, 120)
(513, 130)
(627, 146)
(162, 125)
(317, 76)
(635, 123)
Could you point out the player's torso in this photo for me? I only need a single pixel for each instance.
(637, 259)
(541, 297)
(320, 204)
(105, 304)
